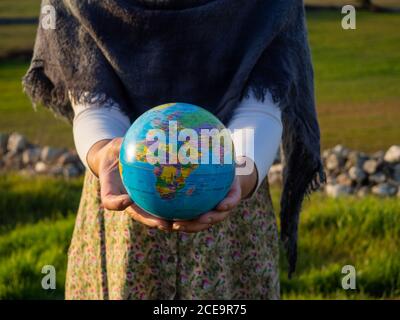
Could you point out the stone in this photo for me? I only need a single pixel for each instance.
(68, 157)
(377, 178)
(333, 162)
(3, 143)
(356, 159)
(337, 190)
(363, 191)
(12, 161)
(370, 166)
(357, 174)
(393, 154)
(30, 156)
(341, 151)
(396, 173)
(71, 171)
(384, 190)
(50, 154)
(41, 167)
(343, 179)
(378, 156)
(16, 143)
(275, 174)
(326, 153)
(57, 170)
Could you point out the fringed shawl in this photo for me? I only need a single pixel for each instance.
(207, 52)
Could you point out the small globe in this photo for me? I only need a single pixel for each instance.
(177, 161)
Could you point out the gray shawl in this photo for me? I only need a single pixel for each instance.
(212, 53)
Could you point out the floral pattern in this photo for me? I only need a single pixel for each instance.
(111, 256)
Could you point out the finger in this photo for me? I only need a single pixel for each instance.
(202, 223)
(112, 196)
(147, 219)
(190, 227)
(213, 217)
(116, 202)
(232, 199)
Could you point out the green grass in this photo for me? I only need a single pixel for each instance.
(37, 221)
(18, 115)
(16, 38)
(357, 76)
(19, 8)
(348, 231)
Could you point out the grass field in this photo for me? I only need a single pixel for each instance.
(333, 233)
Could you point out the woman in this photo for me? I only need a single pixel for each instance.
(247, 62)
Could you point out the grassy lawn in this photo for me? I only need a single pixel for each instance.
(333, 233)
(17, 113)
(16, 38)
(20, 8)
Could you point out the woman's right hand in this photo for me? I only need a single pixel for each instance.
(103, 160)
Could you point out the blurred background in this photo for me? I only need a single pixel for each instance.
(356, 221)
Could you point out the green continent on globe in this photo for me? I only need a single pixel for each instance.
(172, 178)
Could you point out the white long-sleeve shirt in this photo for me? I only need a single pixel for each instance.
(95, 123)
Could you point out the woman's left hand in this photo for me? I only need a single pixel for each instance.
(241, 187)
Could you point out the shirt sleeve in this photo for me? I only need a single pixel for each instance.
(256, 129)
(93, 123)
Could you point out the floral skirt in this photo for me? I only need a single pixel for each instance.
(111, 256)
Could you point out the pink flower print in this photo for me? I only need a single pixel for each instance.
(246, 215)
(206, 284)
(139, 257)
(151, 232)
(129, 276)
(162, 258)
(254, 238)
(236, 255)
(243, 278)
(209, 241)
(184, 278)
(258, 268)
(197, 256)
(154, 270)
(233, 226)
(183, 236)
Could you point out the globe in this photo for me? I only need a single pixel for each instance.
(177, 161)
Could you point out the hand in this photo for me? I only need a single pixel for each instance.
(241, 188)
(103, 160)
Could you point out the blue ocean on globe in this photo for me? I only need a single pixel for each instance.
(170, 164)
